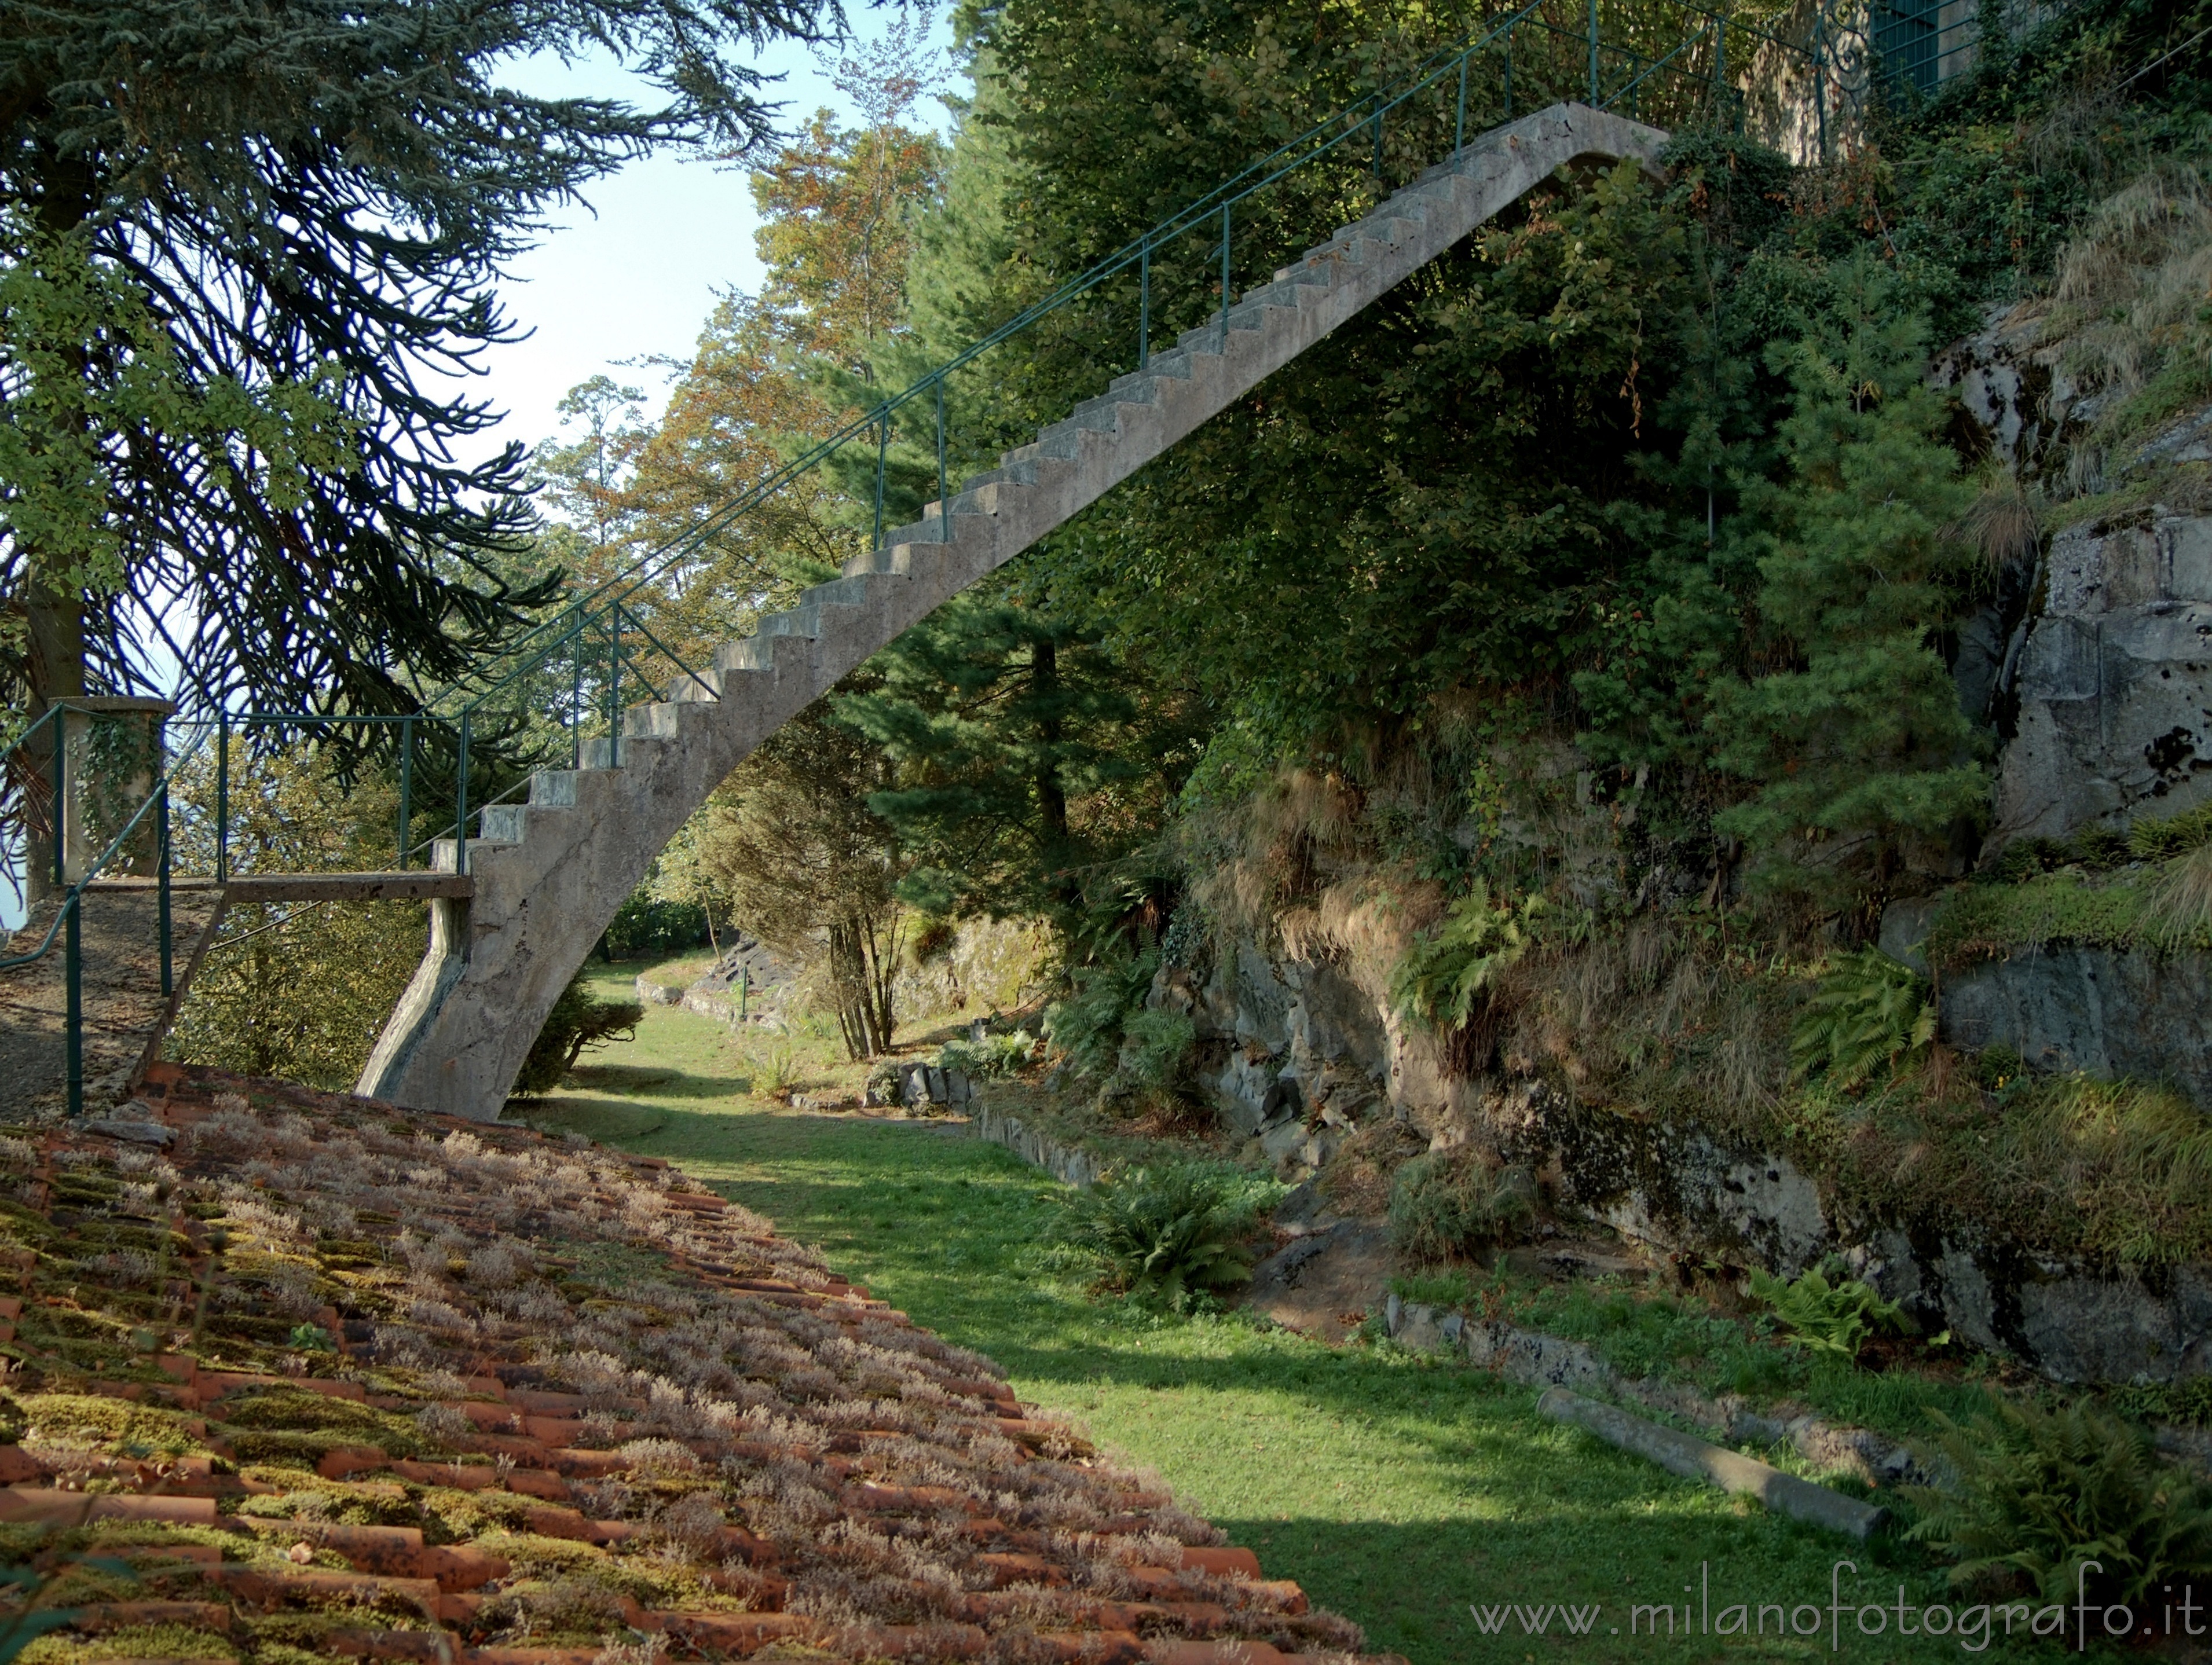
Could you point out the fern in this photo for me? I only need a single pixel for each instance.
(1827, 1312)
(1460, 959)
(1161, 1234)
(1869, 1012)
(2036, 1494)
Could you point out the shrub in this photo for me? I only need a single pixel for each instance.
(650, 927)
(1161, 1234)
(1448, 1203)
(1826, 1312)
(1088, 1025)
(1154, 1045)
(1869, 1010)
(1450, 968)
(2177, 835)
(2035, 1494)
(995, 1056)
(578, 1023)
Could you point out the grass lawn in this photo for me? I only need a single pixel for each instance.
(1399, 1491)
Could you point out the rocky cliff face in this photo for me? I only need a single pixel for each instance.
(2093, 667)
(2113, 688)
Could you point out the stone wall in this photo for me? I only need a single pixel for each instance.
(1298, 1053)
(2105, 1011)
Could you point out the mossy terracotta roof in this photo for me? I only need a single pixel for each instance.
(321, 1378)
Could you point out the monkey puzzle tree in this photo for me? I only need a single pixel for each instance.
(245, 242)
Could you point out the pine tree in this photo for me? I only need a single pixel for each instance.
(1021, 756)
(1855, 739)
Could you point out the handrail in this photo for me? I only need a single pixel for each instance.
(596, 621)
(92, 871)
(71, 912)
(535, 646)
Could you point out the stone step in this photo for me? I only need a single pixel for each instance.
(676, 750)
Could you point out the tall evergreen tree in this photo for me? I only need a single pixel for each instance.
(295, 211)
(1851, 729)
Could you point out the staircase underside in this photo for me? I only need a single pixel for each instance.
(549, 875)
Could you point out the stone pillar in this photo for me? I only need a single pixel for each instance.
(112, 754)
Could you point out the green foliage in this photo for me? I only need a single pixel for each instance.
(1453, 965)
(61, 467)
(1004, 721)
(1161, 1234)
(2033, 1494)
(2175, 835)
(1089, 1024)
(1988, 920)
(1855, 734)
(238, 200)
(298, 992)
(1155, 1044)
(579, 1022)
(1447, 1203)
(310, 1338)
(993, 1057)
(1826, 1312)
(1868, 1012)
(649, 927)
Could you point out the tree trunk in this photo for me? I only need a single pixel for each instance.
(1052, 797)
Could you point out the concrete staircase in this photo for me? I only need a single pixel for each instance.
(549, 874)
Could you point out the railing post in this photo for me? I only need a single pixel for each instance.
(1377, 164)
(461, 801)
(576, 686)
(1820, 79)
(944, 500)
(61, 799)
(1459, 125)
(1225, 279)
(73, 970)
(1145, 307)
(406, 783)
(614, 686)
(161, 904)
(1509, 72)
(1593, 54)
(222, 795)
(882, 440)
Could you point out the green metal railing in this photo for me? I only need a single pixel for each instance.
(599, 626)
(573, 668)
(68, 922)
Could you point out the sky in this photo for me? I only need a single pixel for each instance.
(633, 276)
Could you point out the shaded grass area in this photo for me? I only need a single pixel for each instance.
(1399, 1489)
(1643, 1332)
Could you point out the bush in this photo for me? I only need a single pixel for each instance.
(1154, 1045)
(1869, 1010)
(1088, 1025)
(2034, 1494)
(1828, 1313)
(579, 1022)
(647, 927)
(1161, 1234)
(1450, 1203)
(994, 1057)
(1453, 965)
